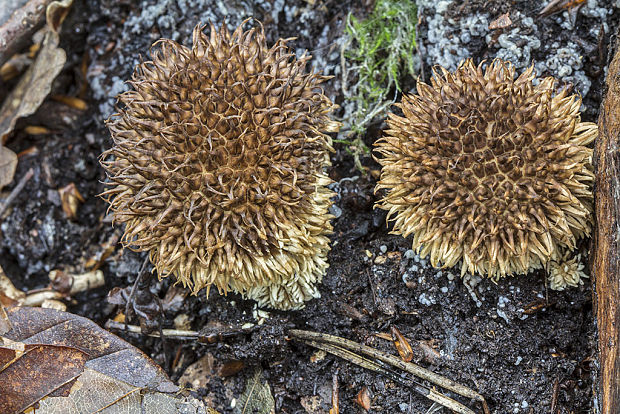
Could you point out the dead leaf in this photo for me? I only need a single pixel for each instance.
(39, 338)
(230, 368)
(94, 392)
(32, 372)
(256, 398)
(501, 22)
(36, 83)
(363, 399)
(8, 164)
(198, 374)
(70, 198)
(557, 6)
(402, 345)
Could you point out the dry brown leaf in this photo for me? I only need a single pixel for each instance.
(40, 338)
(36, 83)
(32, 372)
(363, 399)
(501, 22)
(93, 392)
(198, 374)
(8, 164)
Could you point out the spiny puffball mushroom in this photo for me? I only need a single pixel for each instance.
(566, 272)
(488, 169)
(217, 168)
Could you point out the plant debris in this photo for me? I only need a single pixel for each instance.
(36, 83)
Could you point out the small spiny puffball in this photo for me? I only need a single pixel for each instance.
(566, 272)
(488, 169)
(218, 166)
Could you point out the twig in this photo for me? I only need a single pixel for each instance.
(554, 396)
(133, 289)
(208, 338)
(335, 395)
(381, 362)
(18, 188)
(17, 31)
(178, 334)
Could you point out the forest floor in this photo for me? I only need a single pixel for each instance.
(515, 342)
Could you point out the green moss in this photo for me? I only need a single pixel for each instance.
(379, 53)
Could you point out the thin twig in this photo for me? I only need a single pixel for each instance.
(208, 338)
(18, 188)
(335, 395)
(178, 334)
(133, 289)
(554, 396)
(354, 348)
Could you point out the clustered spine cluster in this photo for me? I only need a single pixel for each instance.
(220, 151)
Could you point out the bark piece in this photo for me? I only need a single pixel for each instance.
(606, 265)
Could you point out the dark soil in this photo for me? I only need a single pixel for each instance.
(481, 337)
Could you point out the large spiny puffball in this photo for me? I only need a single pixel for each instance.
(217, 168)
(489, 170)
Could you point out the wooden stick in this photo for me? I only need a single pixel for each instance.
(18, 189)
(606, 264)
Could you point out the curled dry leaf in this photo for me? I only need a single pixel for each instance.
(71, 284)
(402, 345)
(36, 83)
(70, 198)
(93, 363)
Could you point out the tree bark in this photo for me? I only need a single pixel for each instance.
(606, 264)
